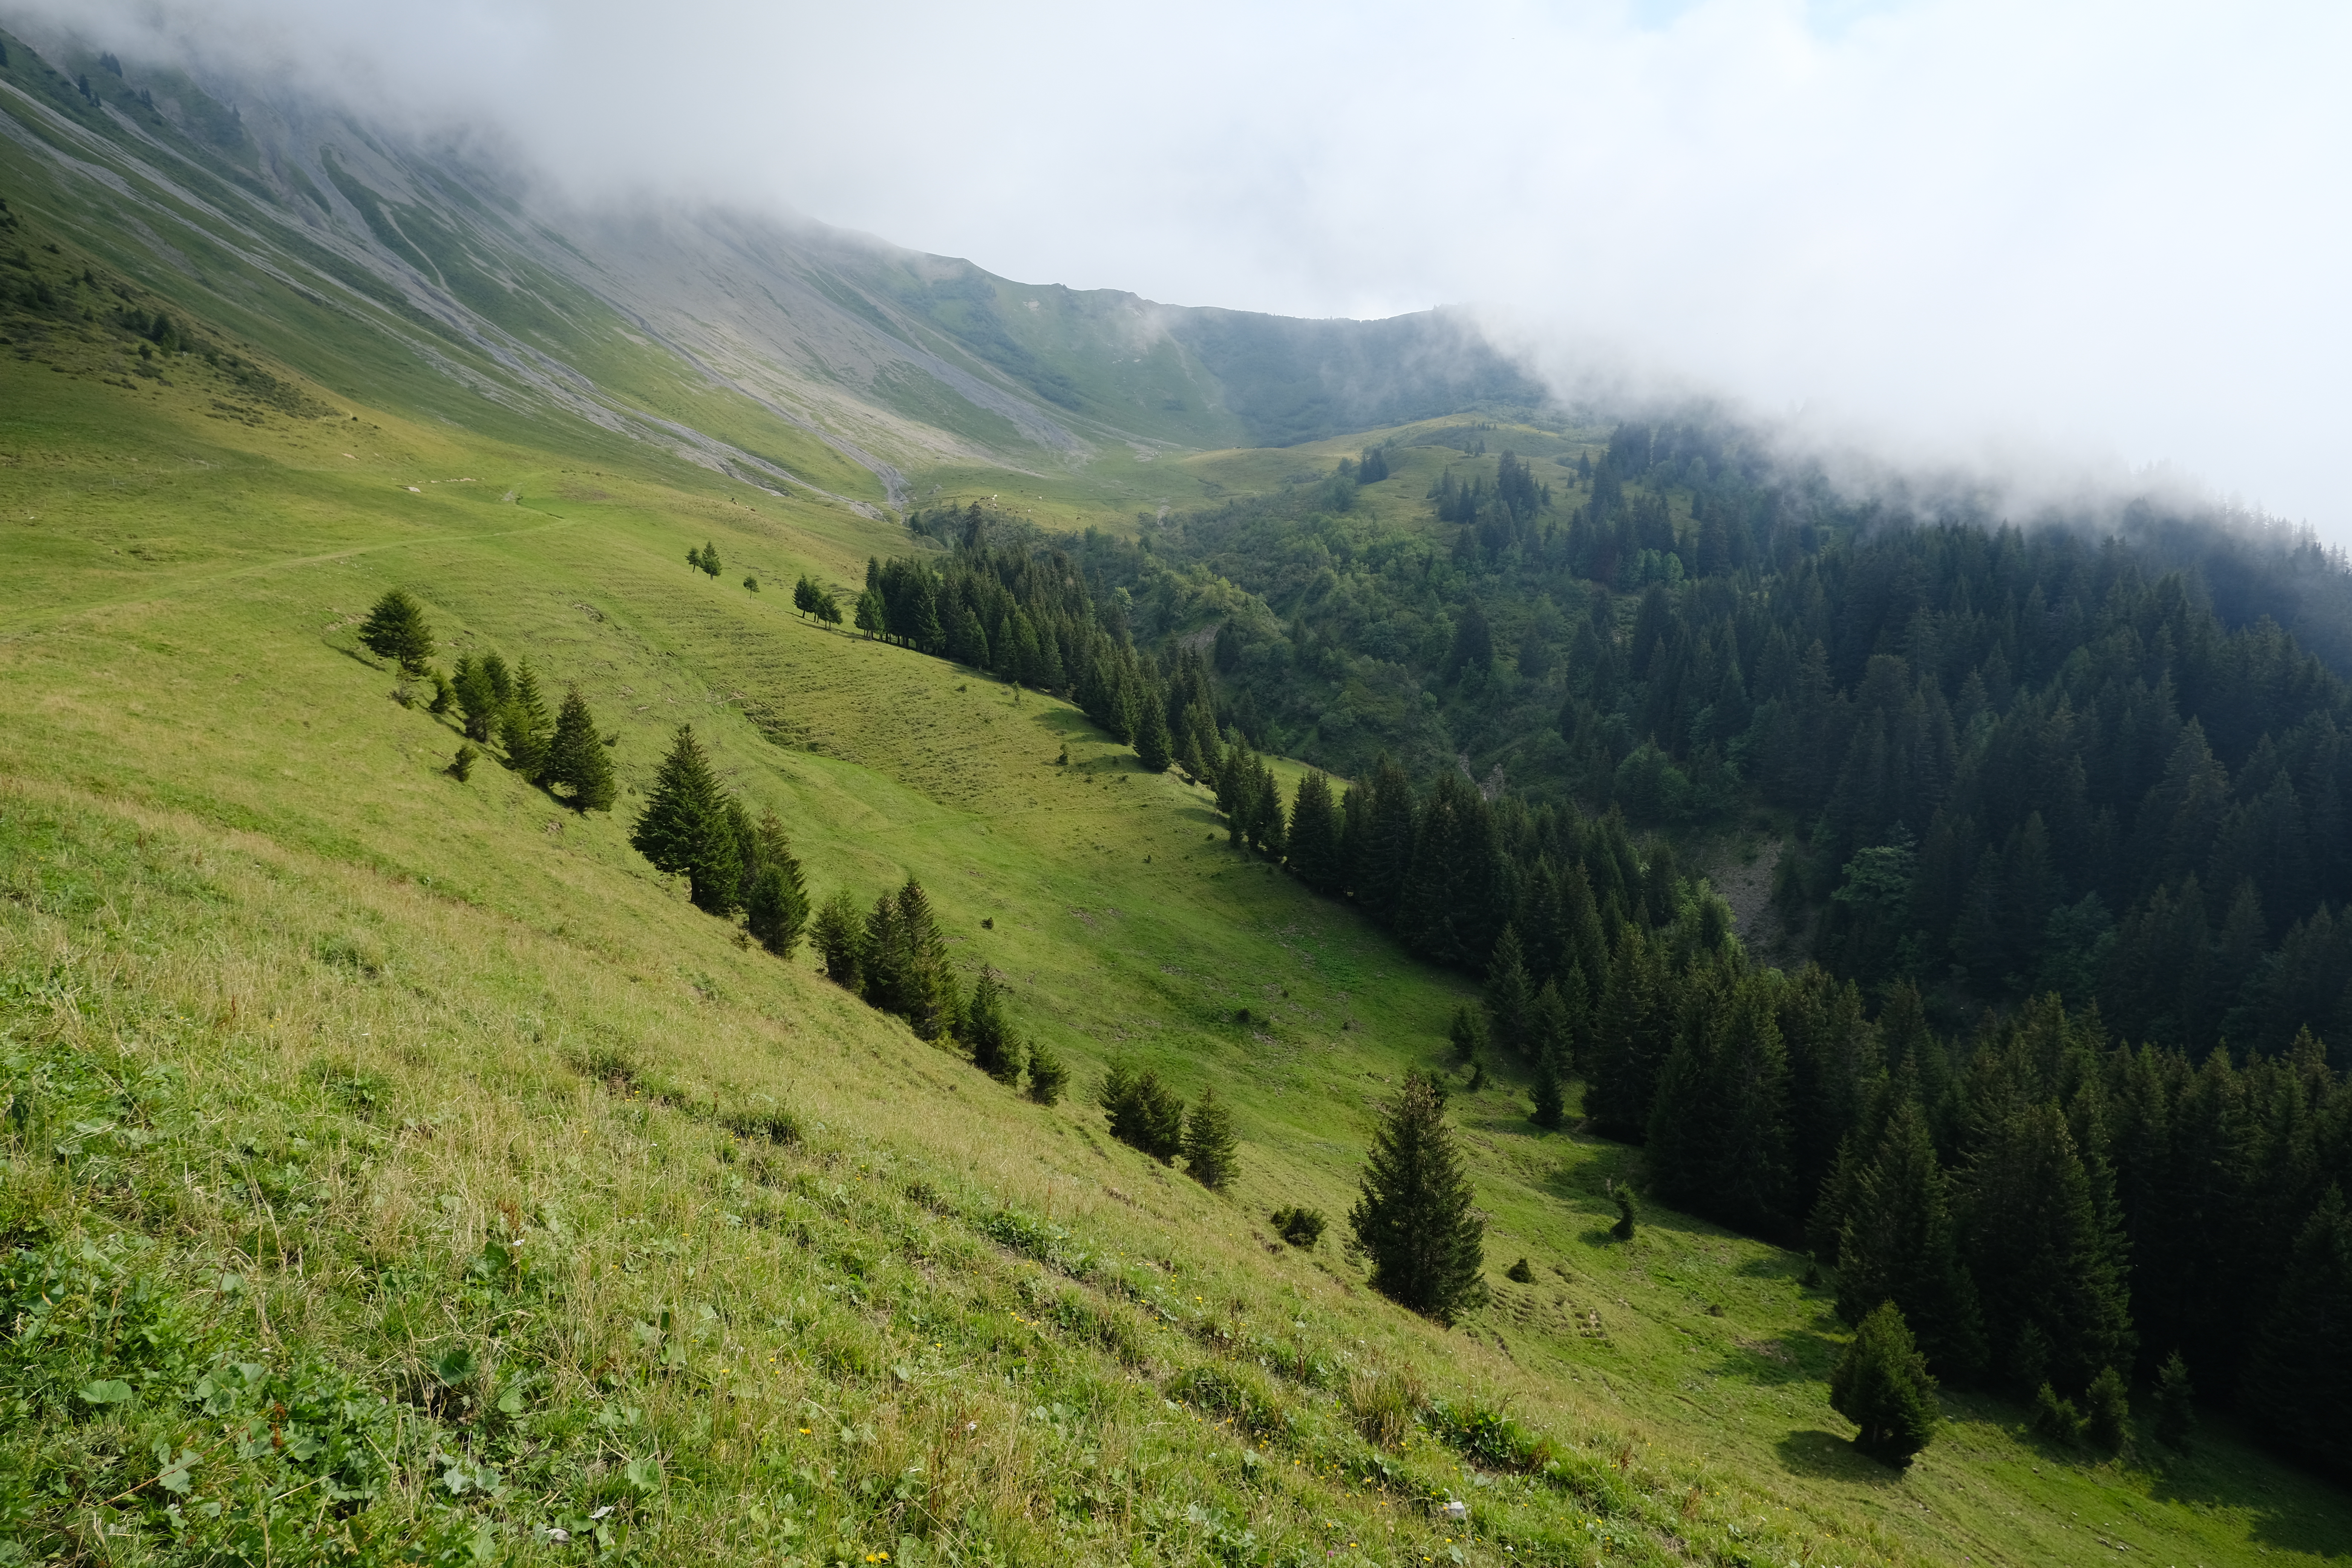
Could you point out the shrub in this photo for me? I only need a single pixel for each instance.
(1381, 1407)
(461, 766)
(1629, 1214)
(1302, 1228)
(1520, 1273)
(1489, 1438)
(1882, 1386)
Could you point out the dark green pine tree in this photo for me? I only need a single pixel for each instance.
(1381, 855)
(523, 727)
(684, 828)
(1549, 1036)
(995, 1050)
(1211, 1156)
(1882, 1384)
(1047, 1076)
(2176, 1402)
(1266, 829)
(868, 619)
(2298, 1381)
(1718, 1137)
(1447, 911)
(478, 698)
(1315, 836)
(1899, 1243)
(883, 963)
(929, 1003)
(804, 594)
(396, 629)
(2050, 1273)
(776, 906)
(1143, 1112)
(838, 933)
(577, 759)
(1509, 996)
(1632, 1034)
(1416, 1218)
(1153, 747)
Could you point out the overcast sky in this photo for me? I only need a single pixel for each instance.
(2053, 238)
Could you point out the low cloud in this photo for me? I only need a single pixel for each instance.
(2092, 238)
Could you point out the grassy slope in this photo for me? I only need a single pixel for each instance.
(231, 853)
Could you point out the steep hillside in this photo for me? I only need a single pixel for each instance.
(397, 1168)
(787, 355)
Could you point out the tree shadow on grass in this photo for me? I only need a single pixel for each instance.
(1827, 1456)
(2286, 1509)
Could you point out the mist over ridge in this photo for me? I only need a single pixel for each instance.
(2066, 241)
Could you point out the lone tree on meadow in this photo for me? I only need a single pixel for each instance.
(1210, 1154)
(1882, 1385)
(684, 828)
(396, 629)
(1415, 1217)
(576, 758)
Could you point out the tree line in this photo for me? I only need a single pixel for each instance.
(2054, 1212)
(2103, 760)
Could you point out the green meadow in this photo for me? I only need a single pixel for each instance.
(433, 1183)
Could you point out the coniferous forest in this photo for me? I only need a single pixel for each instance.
(2063, 810)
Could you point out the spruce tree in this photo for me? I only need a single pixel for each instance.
(1468, 1033)
(684, 829)
(1634, 1033)
(1547, 1038)
(2298, 1380)
(988, 1035)
(884, 963)
(1210, 1155)
(776, 908)
(838, 933)
(577, 759)
(2043, 1257)
(523, 727)
(1882, 1384)
(928, 992)
(477, 696)
(1153, 747)
(869, 618)
(1508, 995)
(396, 629)
(1718, 1134)
(2176, 1402)
(1047, 1076)
(1142, 1112)
(1899, 1243)
(804, 594)
(1415, 1217)
(2107, 1410)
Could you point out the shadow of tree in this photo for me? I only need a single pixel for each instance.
(1825, 1455)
